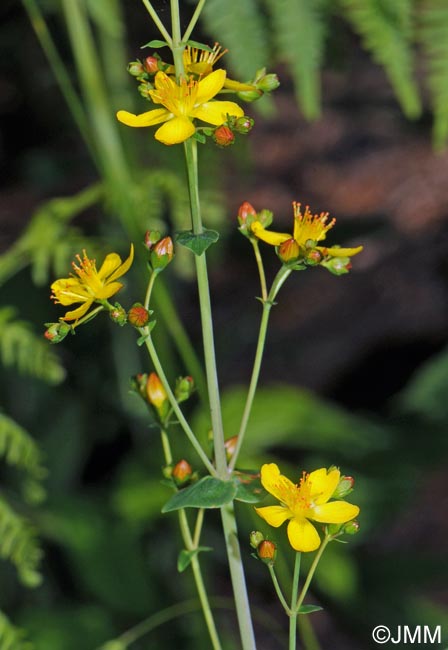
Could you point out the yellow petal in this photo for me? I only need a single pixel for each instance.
(276, 484)
(69, 290)
(162, 80)
(109, 289)
(340, 252)
(175, 131)
(335, 512)
(111, 262)
(210, 86)
(78, 313)
(273, 238)
(302, 535)
(149, 118)
(274, 515)
(323, 484)
(123, 268)
(216, 112)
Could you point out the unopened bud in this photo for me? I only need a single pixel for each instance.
(184, 388)
(344, 487)
(246, 210)
(268, 83)
(151, 64)
(265, 217)
(267, 551)
(313, 257)
(289, 251)
(156, 393)
(162, 253)
(138, 316)
(57, 332)
(250, 95)
(118, 315)
(135, 68)
(139, 383)
(182, 472)
(244, 124)
(223, 136)
(337, 265)
(230, 446)
(255, 538)
(151, 238)
(352, 528)
(144, 89)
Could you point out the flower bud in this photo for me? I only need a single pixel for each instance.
(57, 332)
(135, 68)
(268, 83)
(250, 95)
(144, 89)
(138, 316)
(162, 253)
(244, 124)
(118, 315)
(313, 257)
(151, 238)
(289, 251)
(265, 217)
(267, 551)
(156, 393)
(223, 136)
(151, 64)
(246, 210)
(184, 388)
(337, 265)
(256, 537)
(182, 472)
(351, 528)
(344, 487)
(139, 383)
(230, 446)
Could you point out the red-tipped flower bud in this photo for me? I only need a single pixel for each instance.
(162, 253)
(135, 68)
(57, 332)
(223, 136)
(151, 65)
(244, 124)
(151, 238)
(182, 472)
(267, 551)
(313, 257)
(138, 316)
(289, 251)
(156, 393)
(230, 446)
(184, 388)
(344, 487)
(118, 315)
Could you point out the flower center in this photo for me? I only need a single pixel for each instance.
(177, 99)
(309, 226)
(87, 273)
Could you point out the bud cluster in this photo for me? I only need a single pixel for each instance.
(247, 215)
(266, 550)
(262, 83)
(161, 250)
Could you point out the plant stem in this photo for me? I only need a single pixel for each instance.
(278, 590)
(160, 26)
(193, 21)
(294, 609)
(149, 289)
(312, 570)
(264, 291)
(280, 278)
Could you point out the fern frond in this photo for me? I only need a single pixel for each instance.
(299, 32)
(19, 545)
(238, 25)
(386, 33)
(22, 349)
(434, 39)
(12, 637)
(19, 449)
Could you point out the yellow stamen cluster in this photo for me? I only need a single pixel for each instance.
(310, 226)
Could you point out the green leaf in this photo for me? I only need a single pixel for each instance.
(155, 43)
(197, 243)
(185, 557)
(209, 492)
(249, 488)
(309, 609)
(199, 46)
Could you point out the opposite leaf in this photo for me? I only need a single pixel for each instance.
(209, 492)
(185, 557)
(197, 243)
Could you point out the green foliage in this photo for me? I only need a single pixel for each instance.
(19, 449)
(209, 492)
(29, 354)
(198, 244)
(434, 40)
(11, 637)
(386, 33)
(299, 32)
(18, 544)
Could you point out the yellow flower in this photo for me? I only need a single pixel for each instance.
(308, 230)
(88, 285)
(309, 500)
(182, 104)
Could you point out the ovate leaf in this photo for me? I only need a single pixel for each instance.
(197, 243)
(209, 492)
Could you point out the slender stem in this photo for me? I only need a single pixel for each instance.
(238, 577)
(294, 611)
(166, 447)
(278, 590)
(180, 416)
(160, 26)
(280, 278)
(193, 21)
(312, 570)
(198, 527)
(149, 289)
(264, 290)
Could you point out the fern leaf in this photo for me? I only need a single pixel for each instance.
(385, 31)
(22, 349)
(19, 449)
(434, 39)
(299, 33)
(238, 25)
(11, 637)
(19, 545)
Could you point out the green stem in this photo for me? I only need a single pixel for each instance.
(180, 416)
(166, 447)
(160, 26)
(264, 291)
(294, 610)
(149, 289)
(312, 570)
(238, 577)
(198, 527)
(194, 20)
(278, 590)
(280, 278)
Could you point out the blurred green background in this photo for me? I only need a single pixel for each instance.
(356, 368)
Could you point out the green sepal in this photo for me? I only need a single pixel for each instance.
(155, 43)
(249, 488)
(200, 137)
(199, 46)
(142, 339)
(185, 557)
(309, 609)
(209, 492)
(197, 243)
(296, 267)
